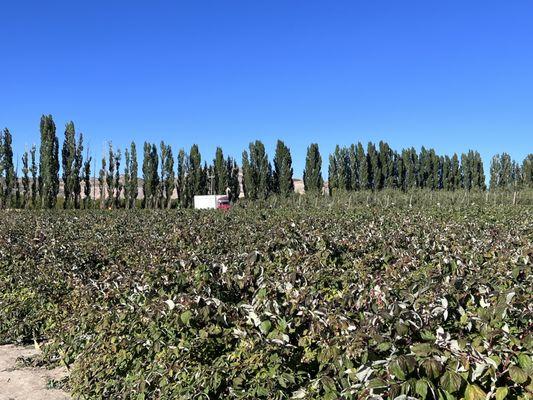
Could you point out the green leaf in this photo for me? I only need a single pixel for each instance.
(474, 392)
(186, 317)
(384, 346)
(501, 392)
(525, 362)
(265, 326)
(377, 383)
(432, 368)
(421, 349)
(451, 381)
(517, 374)
(397, 370)
(421, 388)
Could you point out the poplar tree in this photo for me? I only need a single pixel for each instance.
(205, 187)
(168, 177)
(401, 173)
(182, 179)
(527, 171)
(102, 181)
(48, 163)
(195, 172)
(10, 178)
(505, 178)
(233, 173)
(256, 171)
(466, 172)
(363, 167)
(16, 202)
(333, 175)
(77, 172)
(447, 173)
(355, 183)
(25, 180)
(34, 177)
(282, 177)
(410, 161)
(313, 181)
(342, 166)
(455, 173)
(133, 190)
(150, 175)
(386, 166)
(247, 178)
(127, 177)
(110, 176)
(68, 154)
(517, 176)
(220, 172)
(495, 167)
(87, 181)
(117, 185)
(373, 166)
(1, 169)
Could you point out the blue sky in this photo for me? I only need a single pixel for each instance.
(452, 75)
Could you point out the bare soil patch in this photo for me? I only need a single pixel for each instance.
(18, 382)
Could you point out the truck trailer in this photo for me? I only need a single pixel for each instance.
(214, 201)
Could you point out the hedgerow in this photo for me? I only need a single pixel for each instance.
(276, 303)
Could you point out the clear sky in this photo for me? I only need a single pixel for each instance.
(452, 75)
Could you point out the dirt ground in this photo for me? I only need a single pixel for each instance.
(26, 383)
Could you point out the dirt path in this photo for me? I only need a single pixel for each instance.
(26, 383)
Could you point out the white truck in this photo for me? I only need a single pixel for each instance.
(215, 201)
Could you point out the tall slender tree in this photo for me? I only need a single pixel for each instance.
(133, 191)
(363, 167)
(34, 177)
(8, 167)
(373, 166)
(220, 172)
(68, 154)
(355, 183)
(257, 172)
(248, 185)
(182, 179)
(117, 185)
(102, 179)
(333, 175)
(282, 176)
(48, 163)
(527, 171)
(168, 177)
(77, 172)
(313, 181)
(195, 172)
(455, 173)
(233, 184)
(25, 180)
(127, 178)
(87, 181)
(150, 175)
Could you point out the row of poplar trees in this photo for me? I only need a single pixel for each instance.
(351, 168)
(167, 180)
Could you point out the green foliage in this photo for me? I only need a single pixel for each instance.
(257, 172)
(293, 302)
(312, 175)
(7, 170)
(282, 177)
(48, 163)
(221, 172)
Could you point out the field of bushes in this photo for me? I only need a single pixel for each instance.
(304, 302)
